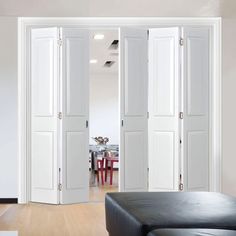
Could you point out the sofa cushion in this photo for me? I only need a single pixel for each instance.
(192, 232)
(136, 214)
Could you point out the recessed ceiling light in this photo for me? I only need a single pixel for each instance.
(98, 36)
(93, 61)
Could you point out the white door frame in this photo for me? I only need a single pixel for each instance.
(24, 26)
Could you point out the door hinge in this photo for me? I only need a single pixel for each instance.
(181, 41)
(181, 185)
(148, 35)
(59, 115)
(59, 187)
(180, 141)
(122, 123)
(181, 115)
(87, 123)
(59, 42)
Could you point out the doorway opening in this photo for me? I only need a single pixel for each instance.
(104, 129)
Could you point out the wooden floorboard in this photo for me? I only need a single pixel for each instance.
(98, 191)
(48, 220)
(33, 219)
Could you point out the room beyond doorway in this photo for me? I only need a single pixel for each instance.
(104, 129)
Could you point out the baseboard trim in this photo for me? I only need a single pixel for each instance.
(8, 200)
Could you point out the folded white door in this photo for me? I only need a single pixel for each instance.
(164, 84)
(74, 118)
(44, 136)
(196, 114)
(133, 109)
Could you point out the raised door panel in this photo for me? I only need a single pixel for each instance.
(42, 163)
(197, 162)
(197, 74)
(134, 77)
(164, 76)
(75, 76)
(163, 160)
(75, 147)
(42, 76)
(134, 151)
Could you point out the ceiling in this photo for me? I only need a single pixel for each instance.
(99, 50)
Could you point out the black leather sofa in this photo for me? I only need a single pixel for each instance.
(192, 232)
(137, 214)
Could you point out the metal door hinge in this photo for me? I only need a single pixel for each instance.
(59, 42)
(180, 141)
(181, 42)
(181, 186)
(87, 123)
(59, 187)
(59, 115)
(181, 115)
(148, 35)
(122, 123)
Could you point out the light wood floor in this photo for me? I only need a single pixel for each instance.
(48, 220)
(61, 220)
(97, 193)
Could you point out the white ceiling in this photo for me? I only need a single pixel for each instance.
(99, 50)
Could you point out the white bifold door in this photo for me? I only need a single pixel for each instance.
(178, 109)
(59, 117)
(133, 109)
(44, 121)
(195, 126)
(164, 92)
(174, 138)
(75, 112)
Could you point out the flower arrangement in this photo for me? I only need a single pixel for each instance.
(100, 140)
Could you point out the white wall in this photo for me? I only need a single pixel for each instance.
(8, 108)
(103, 108)
(224, 8)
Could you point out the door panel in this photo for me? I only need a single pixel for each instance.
(164, 59)
(75, 140)
(196, 103)
(133, 109)
(42, 72)
(75, 76)
(163, 147)
(135, 180)
(76, 144)
(135, 82)
(44, 90)
(197, 163)
(43, 160)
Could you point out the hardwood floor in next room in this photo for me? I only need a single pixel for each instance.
(97, 192)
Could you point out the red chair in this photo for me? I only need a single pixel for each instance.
(112, 160)
(100, 165)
